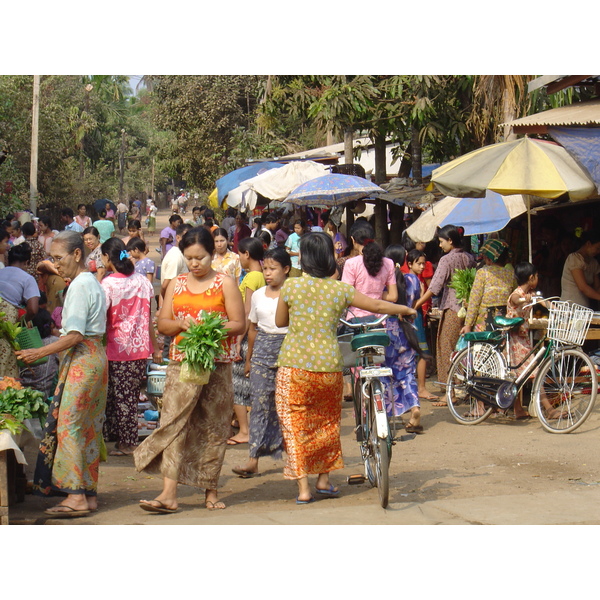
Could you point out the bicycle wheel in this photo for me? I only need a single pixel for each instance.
(564, 390)
(377, 461)
(479, 360)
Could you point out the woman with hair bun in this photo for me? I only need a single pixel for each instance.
(309, 379)
(130, 342)
(370, 273)
(455, 257)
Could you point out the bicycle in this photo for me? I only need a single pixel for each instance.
(563, 391)
(365, 348)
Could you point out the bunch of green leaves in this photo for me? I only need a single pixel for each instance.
(202, 342)
(9, 331)
(23, 404)
(462, 282)
(9, 422)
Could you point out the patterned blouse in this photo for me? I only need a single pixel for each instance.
(455, 259)
(315, 306)
(492, 287)
(128, 320)
(229, 264)
(188, 304)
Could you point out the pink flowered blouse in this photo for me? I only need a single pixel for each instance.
(128, 316)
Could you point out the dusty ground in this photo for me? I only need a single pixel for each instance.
(449, 461)
(495, 458)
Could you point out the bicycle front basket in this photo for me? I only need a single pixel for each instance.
(569, 322)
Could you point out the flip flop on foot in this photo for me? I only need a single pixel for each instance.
(232, 442)
(410, 428)
(309, 501)
(428, 396)
(243, 473)
(62, 511)
(159, 507)
(218, 505)
(330, 492)
(440, 404)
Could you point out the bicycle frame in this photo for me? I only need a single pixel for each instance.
(369, 371)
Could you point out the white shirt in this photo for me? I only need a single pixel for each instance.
(262, 312)
(173, 264)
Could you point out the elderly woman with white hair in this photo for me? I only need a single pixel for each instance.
(69, 455)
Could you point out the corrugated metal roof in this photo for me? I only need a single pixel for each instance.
(580, 113)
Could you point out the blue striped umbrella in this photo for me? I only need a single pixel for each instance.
(332, 190)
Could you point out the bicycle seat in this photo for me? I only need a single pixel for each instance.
(485, 336)
(506, 322)
(375, 338)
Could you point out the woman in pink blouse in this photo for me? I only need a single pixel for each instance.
(370, 273)
(130, 342)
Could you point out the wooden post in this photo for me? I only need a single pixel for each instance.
(122, 165)
(33, 169)
(3, 488)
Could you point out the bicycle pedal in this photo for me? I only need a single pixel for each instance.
(356, 479)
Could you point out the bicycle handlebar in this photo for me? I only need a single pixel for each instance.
(368, 324)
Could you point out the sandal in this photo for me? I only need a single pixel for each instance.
(440, 404)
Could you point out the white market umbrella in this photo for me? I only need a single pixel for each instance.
(275, 184)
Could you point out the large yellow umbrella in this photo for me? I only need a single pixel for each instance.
(525, 166)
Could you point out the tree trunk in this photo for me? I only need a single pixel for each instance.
(416, 154)
(381, 226)
(397, 223)
(406, 162)
(33, 167)
(348, 145)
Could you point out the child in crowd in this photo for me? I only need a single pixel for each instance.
(416, 263)
(251, 254)
(264, 343)
(520, 343)
(401, 355)
(137, 249)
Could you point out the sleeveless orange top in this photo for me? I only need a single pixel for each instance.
(189, 304)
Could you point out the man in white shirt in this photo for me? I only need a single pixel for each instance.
(173, 264)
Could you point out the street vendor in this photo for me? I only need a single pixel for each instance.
(580, 282)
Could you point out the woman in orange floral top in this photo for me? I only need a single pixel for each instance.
(189, 447)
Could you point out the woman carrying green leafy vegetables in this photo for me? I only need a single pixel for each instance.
(455, 257)
(189, 447)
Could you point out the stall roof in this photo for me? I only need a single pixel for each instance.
(579, 114)
(555, 83)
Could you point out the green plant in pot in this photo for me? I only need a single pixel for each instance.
(202, 344)
(462, 282)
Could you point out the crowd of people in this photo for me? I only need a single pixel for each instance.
(281, 286)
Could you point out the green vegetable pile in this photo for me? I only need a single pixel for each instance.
(23, 404)
(461, 283)
(10, 423)
(202, 343)
(9, 331)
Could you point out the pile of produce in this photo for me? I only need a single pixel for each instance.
(18, 404)
(9, 331)
(462, 282)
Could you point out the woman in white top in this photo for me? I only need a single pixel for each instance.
(580, 280)
(264, 343)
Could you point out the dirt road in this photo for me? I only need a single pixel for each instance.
(500, 458)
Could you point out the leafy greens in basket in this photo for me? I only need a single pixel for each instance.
(202, 343)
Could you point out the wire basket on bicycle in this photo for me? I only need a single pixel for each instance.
(569, 323)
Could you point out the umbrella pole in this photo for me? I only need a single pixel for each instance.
(529, 227)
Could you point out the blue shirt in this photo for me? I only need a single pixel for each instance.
(85, 307)
(74, 226)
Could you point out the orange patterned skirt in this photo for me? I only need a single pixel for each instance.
(309, 407)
